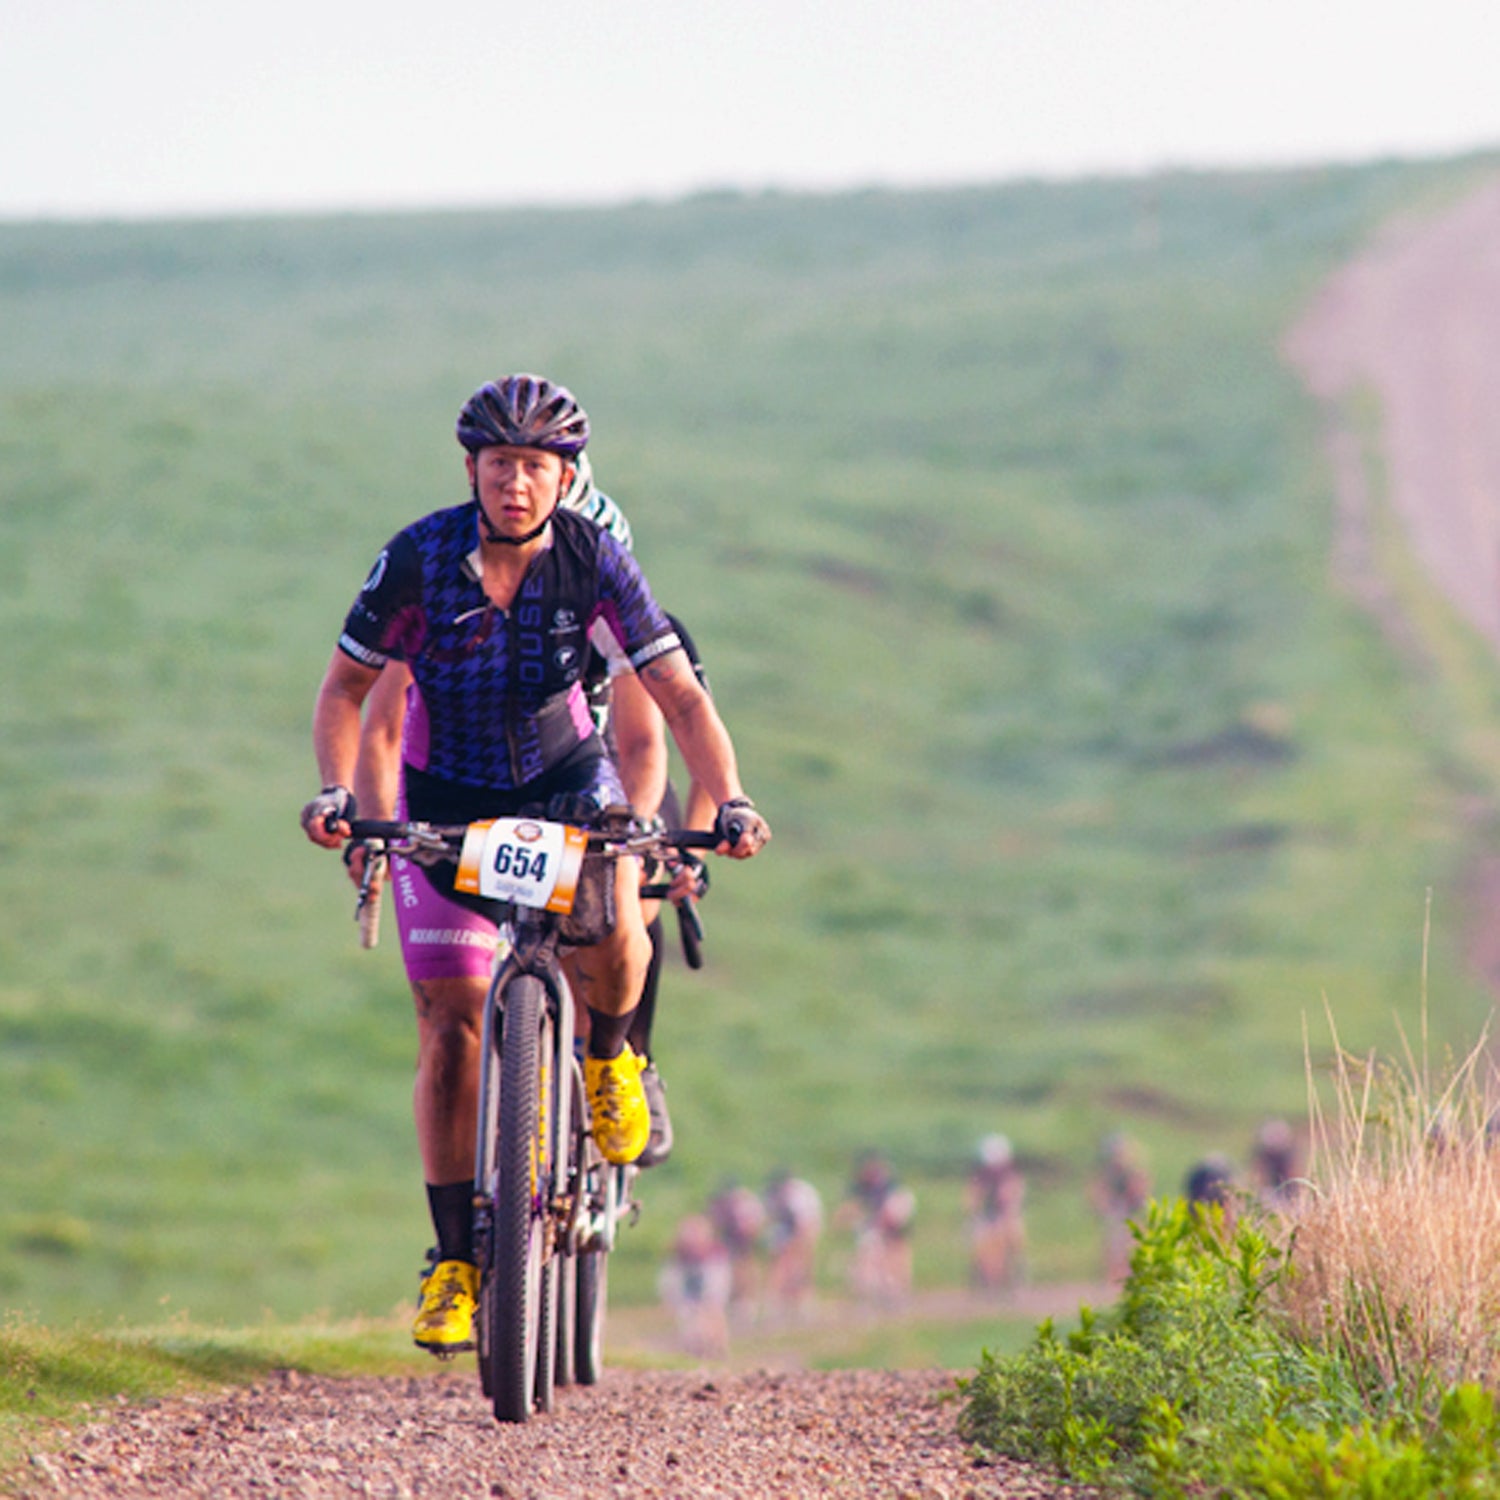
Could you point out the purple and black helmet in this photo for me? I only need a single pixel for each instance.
(524, 411)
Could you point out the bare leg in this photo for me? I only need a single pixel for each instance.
(445, 1098)
(609, 975)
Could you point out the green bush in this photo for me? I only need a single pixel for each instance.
(1193, 1381)
(1396, 1460)
(1182, 1370)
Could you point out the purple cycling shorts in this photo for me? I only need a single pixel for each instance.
(439, 938)
(443, 937)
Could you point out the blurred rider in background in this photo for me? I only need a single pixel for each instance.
(490, 604)
(739, 1219)
(1276, 1165)
(794, 1224)
(882, 1214)
(695, 1284)
(995, 1195)
(1211, 1190)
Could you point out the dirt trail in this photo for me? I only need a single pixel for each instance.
(756, 1424)
(1415, 322)
(753, 1435)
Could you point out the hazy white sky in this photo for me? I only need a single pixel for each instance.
(143, 107)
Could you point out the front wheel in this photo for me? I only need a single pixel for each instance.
(513, 1301)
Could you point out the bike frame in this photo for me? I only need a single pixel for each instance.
(535, 1158)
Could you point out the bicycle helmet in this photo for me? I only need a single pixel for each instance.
(584, 496)
(995, 1151)
(524, 411)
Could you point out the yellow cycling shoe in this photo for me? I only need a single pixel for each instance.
(445, 1314)
(617, 1105)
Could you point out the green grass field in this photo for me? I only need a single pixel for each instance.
(1004, 533)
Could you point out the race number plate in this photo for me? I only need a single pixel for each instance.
(523, 860)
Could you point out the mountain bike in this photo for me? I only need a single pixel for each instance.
(547, 1205)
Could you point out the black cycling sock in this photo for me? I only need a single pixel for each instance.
(607, 1034)
(451, 1205)
(645, 1012)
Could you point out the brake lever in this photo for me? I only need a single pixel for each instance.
(367, 908)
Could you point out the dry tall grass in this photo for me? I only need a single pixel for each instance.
(1395, 1239)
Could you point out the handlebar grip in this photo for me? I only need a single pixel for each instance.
(693, 838)
(690, 927)
(375, 828)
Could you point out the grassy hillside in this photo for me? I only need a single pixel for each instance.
(1004, 533)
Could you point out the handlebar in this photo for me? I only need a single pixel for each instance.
(433, 843)
(444, 840)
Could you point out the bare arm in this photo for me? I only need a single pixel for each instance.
(700, 808)
(336, 728)
(641, 742)
(704, 741)
(695, 724)
(377, 773)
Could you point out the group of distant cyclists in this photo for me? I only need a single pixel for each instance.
(749, 1257)
(506, 656)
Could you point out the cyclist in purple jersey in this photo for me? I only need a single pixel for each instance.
(440, 937)
(489, 604)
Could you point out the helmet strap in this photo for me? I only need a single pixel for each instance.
(491, 535)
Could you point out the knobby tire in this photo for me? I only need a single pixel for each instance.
(515, 1280)
(544, 1388)
(576, 1174)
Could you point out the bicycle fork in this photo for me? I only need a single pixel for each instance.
(554, 1175)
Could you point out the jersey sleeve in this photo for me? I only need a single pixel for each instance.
(382, 621)
(628, 609)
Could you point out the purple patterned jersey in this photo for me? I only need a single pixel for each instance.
(499, 697)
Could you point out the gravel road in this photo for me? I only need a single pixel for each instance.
(776, 1436)
(1414, 322)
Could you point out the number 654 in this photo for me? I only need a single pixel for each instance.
(523, 864)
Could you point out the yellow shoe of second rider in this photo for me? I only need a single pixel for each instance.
(617, 1104)
(445, 1317)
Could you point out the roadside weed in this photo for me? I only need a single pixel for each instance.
(1345, 1347)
